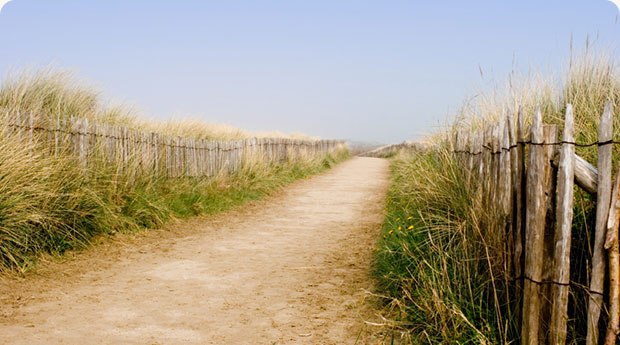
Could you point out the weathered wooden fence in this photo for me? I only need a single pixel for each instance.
(169, 156)
(529, 174)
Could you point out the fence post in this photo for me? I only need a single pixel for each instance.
(471, 142)
(549, 188)
(534, 233)
(83, 140)
(613, 251)
(505, 178)
(564, 213)
(486, 162)
(519, 184)
(155, 152)
(477, 151)
(220, 156)
(514, 233)
(595, 302)
(211, 158)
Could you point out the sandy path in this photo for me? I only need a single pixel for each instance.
(285, 270)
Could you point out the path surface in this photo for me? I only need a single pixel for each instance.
(289, 269)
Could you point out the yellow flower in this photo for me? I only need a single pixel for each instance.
(410, 227)
(397, 219)
(391, 231)
(399, 228)
(410, 218)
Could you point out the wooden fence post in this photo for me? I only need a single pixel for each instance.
(518, 190)
(549, 189)
(595, 302)
(505, 178)
(563, 229)
(84, 142)
(456, 146)
(486, 162)
(471, 142)
(613, 251)
(478, 151)
(155, 143)
(534, 233)
(494, 175)
(178, 157)
(220, 156)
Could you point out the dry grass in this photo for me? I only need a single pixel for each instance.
(445, 279)
(50, 204)
(49, 91)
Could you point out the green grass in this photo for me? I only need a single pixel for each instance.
(51, 204)
(431, 262)
(444, 280)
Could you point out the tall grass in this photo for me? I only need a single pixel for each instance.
(445, 279)
(433, 259)
(58, 92)
(50, 204)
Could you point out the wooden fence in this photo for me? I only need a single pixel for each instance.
(169, 156)
(530, 175)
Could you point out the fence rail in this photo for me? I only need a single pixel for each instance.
(529, 174)
(171, 156)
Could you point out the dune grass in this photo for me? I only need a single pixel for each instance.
(51, 204)
(432, 261)
(59, 92)
(440, 263)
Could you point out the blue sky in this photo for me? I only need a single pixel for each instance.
(365, 70)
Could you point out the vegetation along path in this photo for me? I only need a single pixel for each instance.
(289, 269)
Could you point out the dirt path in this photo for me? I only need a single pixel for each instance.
(285, 270)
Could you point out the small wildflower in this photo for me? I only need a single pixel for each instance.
(400, 228)
(410, 227)
(391, 231)
(397, 219)
(410, 218)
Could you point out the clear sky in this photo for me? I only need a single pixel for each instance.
(378, 70)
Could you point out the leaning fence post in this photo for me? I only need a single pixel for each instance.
(564, 212)
(595, 302)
